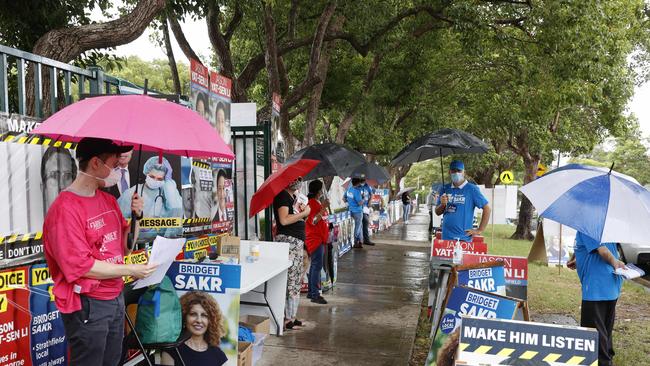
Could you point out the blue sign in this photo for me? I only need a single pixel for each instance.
(488, 279)
(465, 301)
(505, 342)
(206, 277)
(48, 342)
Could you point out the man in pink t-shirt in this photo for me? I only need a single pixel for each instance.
(84, 236)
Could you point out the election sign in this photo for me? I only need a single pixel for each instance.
(15, 317)
(510, 342)
(222, 282)
(488, 277)
(464, 301)
(48, 342)
(445, 248)
(515, 270)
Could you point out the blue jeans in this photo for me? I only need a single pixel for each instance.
(358, 226)
(314, 271)
(407, 212)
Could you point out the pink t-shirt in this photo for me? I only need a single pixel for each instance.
(77, 231)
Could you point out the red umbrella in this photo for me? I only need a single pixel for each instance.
(278, 181)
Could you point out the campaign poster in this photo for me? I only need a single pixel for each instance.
(220, 97)
(34, 170)
(515, 270)
(510, 342)
(15, 318)
(158, 182)
(445, 248)
(48, 342)
(488, 277)
(464, 301)
(560, 241)
(223, 199)
(277, 142)
(221, 284)
(199, 92)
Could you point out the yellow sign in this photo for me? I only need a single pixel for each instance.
(506, 177)
(3, 303)
(541, 169)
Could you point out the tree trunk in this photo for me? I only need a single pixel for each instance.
(484, 177)
(170, 58)
(66, 44)
(526, 207)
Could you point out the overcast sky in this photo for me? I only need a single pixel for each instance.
(197, 35)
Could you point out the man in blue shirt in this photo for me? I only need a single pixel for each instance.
(366, 190)
(596, 263)
(354, 197)
(457, 202)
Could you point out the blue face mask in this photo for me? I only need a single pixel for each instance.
(457, 177)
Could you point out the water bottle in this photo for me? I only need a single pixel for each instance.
(458, 253)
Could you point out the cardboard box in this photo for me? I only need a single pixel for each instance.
(245, 354)
(256, 323)
(229, 246)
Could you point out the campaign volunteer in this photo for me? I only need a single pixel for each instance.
(595, 263)
(354, 197)
(84, 237)
(457, 202)
(366, 191)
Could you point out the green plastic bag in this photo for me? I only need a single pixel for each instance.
(159, 317)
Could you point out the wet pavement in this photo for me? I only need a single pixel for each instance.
(373, 310)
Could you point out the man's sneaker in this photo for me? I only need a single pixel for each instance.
(369, 243)
(297, 323)
(357, 246)
(319, 300)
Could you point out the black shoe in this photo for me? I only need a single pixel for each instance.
(319, 300)
(297, 323)
(357, 246)
(308, 296)
(289, 325)
(369, 243)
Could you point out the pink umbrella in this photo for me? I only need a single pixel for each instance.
(148, 123)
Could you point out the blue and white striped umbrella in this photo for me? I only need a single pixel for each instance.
(607, 206)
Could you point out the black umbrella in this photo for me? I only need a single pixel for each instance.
(370, 171)
(446, 141)
(335, 160)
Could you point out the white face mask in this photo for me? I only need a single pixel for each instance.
(112, 178)
(153, 183)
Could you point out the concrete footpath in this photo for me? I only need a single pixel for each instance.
(373, 310)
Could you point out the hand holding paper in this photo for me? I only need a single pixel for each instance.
(630, 272)
(162, 255)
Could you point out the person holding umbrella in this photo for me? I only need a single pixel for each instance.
(356, 202)
(366, 190)
(291, 229)
(457, 202)
(84, 237)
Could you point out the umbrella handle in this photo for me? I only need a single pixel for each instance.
(130, 242)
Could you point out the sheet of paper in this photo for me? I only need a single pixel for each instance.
(631, 272)
(163, 253)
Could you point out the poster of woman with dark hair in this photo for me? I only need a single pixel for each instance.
(58, 170)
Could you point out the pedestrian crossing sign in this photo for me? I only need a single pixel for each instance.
(506, 177)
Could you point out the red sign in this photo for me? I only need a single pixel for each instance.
(445, 248)
(220, 85)
(15, 317)
(515, 268)
(199, 73)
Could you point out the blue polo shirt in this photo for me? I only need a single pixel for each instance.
(355, 199)
(599, 283)
(459, 214)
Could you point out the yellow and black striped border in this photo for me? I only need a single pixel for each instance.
(200, 164)
(35, 140)
(523, 354)
(20, 238)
